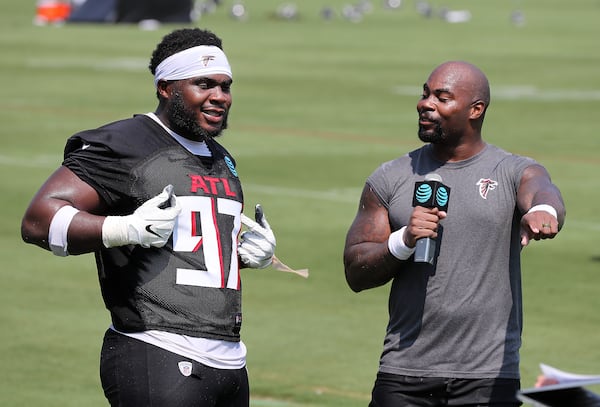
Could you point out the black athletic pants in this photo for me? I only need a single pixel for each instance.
(137, 374)
(392, 390)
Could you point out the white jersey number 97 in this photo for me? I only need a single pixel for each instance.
(187, 239)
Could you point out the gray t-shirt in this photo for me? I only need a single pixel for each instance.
(463, 317)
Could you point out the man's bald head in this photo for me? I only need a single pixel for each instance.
(453, 105)
(466, 76)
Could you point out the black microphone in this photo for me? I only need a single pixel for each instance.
(430, 193)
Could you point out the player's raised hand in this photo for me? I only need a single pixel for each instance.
(257, 244)
(150, 225)
(538, 225)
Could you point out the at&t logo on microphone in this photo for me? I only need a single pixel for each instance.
(431, 193)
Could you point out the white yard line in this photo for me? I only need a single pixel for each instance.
(111, 64)
(521, 92)
(344, 195)
(36, 161)
(501, 92)
(339, 195)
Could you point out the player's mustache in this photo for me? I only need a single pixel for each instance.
(427, 117)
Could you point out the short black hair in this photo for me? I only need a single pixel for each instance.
(180, 40)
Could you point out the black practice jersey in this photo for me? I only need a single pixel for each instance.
(192, 285)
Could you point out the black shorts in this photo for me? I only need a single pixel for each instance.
(136, 374)
(392, 390)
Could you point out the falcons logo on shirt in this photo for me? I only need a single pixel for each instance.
(486, 185)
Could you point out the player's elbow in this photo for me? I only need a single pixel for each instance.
(353, 276)
(32, 231)
(355, 268)
(365, 272)
(354, 286)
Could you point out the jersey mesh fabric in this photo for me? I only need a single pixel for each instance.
(128, 162)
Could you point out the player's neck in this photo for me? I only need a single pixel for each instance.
(459, 152)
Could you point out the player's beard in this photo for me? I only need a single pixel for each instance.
(437, 136)
(185, 123)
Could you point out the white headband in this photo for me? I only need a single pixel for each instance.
(202, 60)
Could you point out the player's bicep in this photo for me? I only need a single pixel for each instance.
(535, 180)
(62, 188)
(65, 186)
(367, 261)
(371, 223)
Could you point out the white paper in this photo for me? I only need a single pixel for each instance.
(566, 377)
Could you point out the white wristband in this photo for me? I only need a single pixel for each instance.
(397, 247)
(59, 227)
(114, 231)
(545, 208)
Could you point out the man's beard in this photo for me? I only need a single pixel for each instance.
(184, 121)
(436, 137)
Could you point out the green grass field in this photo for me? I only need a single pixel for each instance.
(317, 106)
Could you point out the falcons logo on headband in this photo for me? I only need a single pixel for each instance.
(206, 59)
(486, 185)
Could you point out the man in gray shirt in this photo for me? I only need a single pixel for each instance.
(454, 331)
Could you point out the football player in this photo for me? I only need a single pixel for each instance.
(159, 202)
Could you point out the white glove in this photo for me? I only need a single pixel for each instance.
(257, 245)
(150, 225)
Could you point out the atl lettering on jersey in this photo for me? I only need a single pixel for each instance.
(210, 185)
